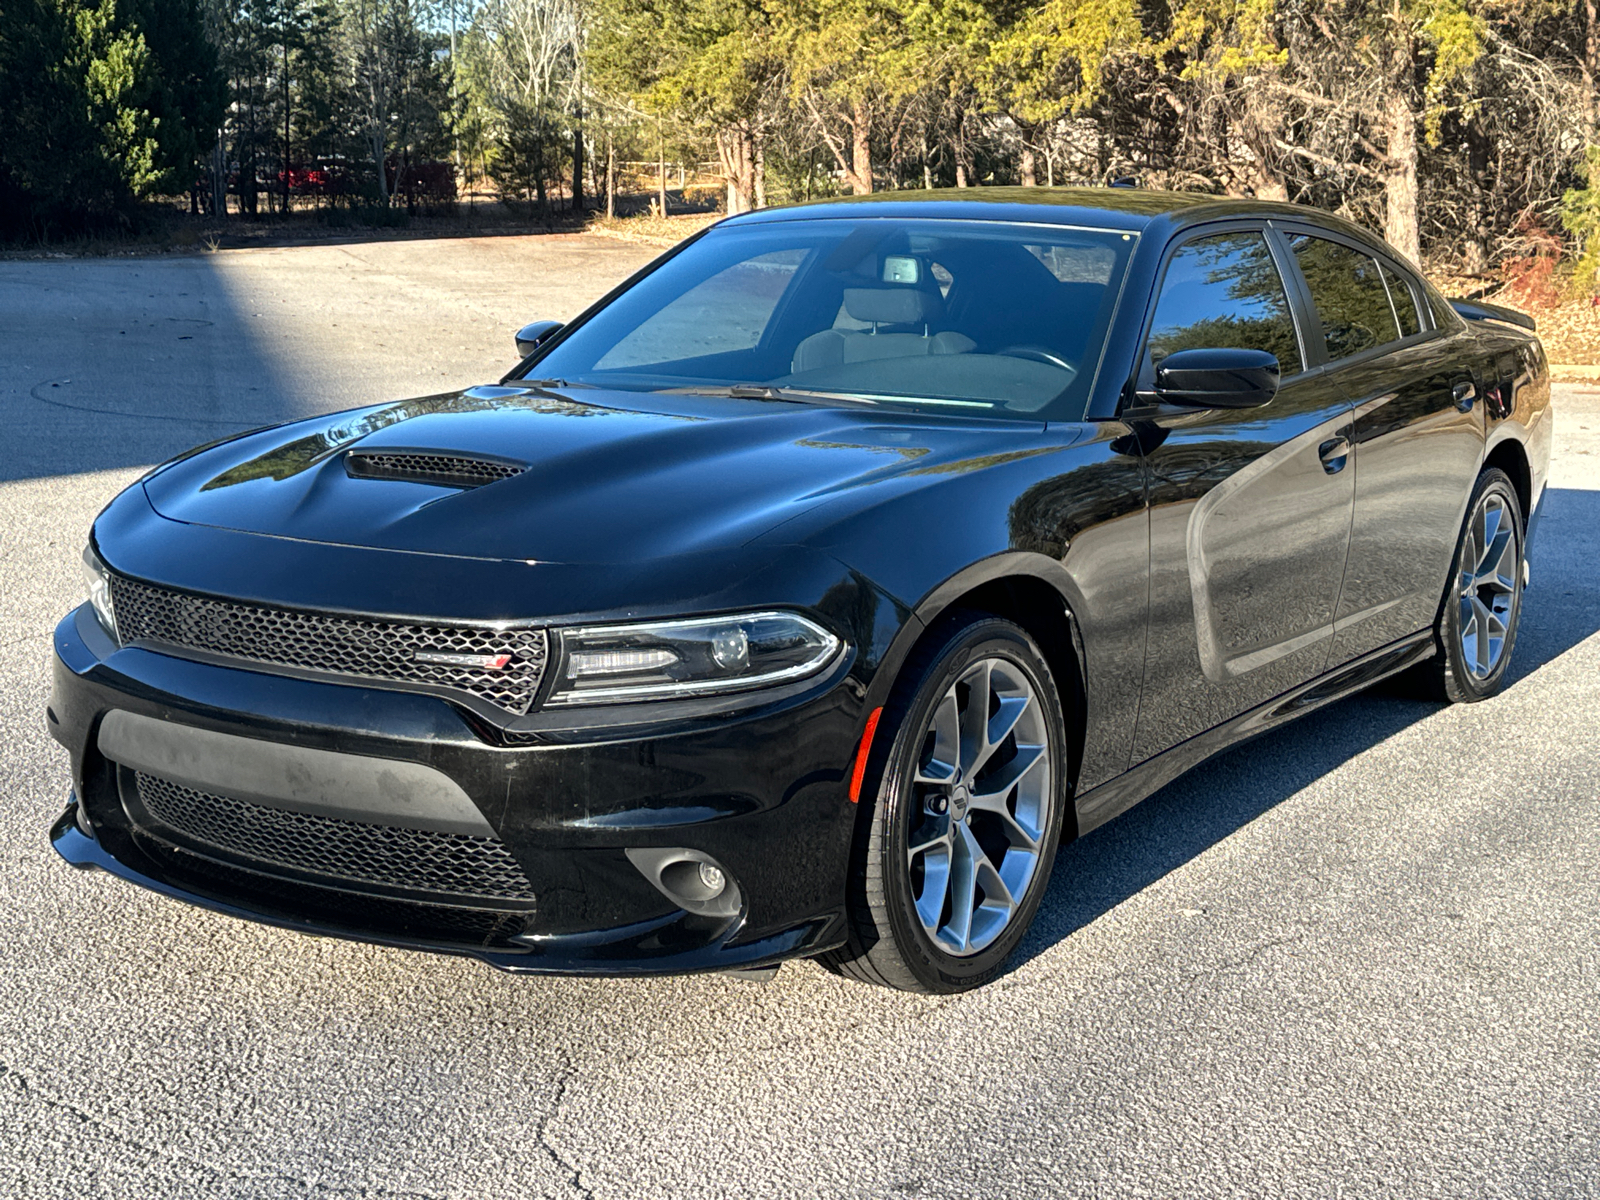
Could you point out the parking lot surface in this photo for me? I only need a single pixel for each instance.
(1357, 957)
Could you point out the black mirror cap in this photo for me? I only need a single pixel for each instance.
(1217, 378)
(535, 334)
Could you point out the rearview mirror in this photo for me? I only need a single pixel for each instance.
(1217, 378)
(535, 334)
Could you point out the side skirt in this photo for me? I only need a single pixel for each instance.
(1116, 796)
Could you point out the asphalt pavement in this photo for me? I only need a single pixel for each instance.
(1357, 957)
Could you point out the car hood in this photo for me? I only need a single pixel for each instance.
(609, 477)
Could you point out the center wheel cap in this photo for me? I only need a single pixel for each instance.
(959, 799)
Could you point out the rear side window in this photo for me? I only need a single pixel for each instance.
(1405, 304)
(1224, 292)
(1347, 288)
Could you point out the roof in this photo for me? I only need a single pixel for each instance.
(1102, 207)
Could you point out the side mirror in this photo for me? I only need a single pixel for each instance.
(1217, 378)
(531, 336)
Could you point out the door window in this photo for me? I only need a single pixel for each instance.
(1224, 292)
(1348, 290)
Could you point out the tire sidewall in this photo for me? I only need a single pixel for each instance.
(1459, 681)
(991, 638)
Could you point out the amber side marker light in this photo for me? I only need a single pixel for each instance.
(860, 772)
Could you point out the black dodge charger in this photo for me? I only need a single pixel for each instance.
(804, 594)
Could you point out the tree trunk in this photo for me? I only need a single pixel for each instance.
(1029, 161)
(860, 175)
(759, 164)
(1591, 65)
(219, 178)
(577, 162)
(611, 177)
(375, 141)
(736, 151)
(1400, 227)
(661, 168)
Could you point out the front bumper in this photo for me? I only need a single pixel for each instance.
(760, 791)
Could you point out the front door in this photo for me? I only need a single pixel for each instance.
(1249, 509)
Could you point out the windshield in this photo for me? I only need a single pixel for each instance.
(973, 317)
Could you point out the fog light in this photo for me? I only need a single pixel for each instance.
(712, 877)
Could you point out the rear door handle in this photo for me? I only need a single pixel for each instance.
(1334, 452)
(1464, 393)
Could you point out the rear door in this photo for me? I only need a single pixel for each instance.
(1249, 509)
(1417, 433)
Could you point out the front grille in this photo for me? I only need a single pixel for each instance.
(353, 646)
(450, 470)
(415, 860)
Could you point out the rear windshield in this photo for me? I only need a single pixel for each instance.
(974, 317)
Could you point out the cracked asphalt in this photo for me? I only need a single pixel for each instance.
(1357, 957)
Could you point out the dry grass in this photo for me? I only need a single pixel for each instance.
(653, 231)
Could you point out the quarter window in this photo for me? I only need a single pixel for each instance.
(1224, 292)
(1405, 304)
(1348, 290)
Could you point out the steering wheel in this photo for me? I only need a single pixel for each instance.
(1039, 354)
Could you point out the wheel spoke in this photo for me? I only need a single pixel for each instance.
(942, 763)
(1498, 568)
(942, 838)
(975, 719)
(995, 891)
(963, 888)
(1481, 617)
(935, 886)
(995, 795)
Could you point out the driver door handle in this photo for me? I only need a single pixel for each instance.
(1334, 452)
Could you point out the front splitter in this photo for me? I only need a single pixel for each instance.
(608, 953)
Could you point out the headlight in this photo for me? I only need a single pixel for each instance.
(664, 660)
(98, 582)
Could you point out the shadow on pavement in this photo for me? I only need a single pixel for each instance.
(1187, 817)
(107, 364)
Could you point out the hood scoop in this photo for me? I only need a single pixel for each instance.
(428, 466)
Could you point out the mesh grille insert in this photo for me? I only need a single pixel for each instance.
(451, 470)
(421, 860)
(340, 645)
(482, 928)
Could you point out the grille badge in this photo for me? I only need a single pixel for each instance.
(479, 662)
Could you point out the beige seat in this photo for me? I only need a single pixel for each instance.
(879, 307)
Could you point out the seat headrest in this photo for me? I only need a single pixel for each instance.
(891, 306)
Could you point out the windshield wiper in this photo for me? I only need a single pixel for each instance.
(765, 391)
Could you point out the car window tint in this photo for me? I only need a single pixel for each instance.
(727, 312)
(1347, 289)
(1405, 304)
(1224, 292)
(975, 317)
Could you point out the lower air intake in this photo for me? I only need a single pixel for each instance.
(373, 857)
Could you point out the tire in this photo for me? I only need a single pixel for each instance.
(1012, 793)
(1484, 591)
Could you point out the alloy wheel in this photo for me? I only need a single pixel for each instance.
(1486, 586)
(983, 801)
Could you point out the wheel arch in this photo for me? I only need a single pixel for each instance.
(1511, 457)
(1033, 591)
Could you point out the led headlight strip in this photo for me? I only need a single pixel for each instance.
(663, 660)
